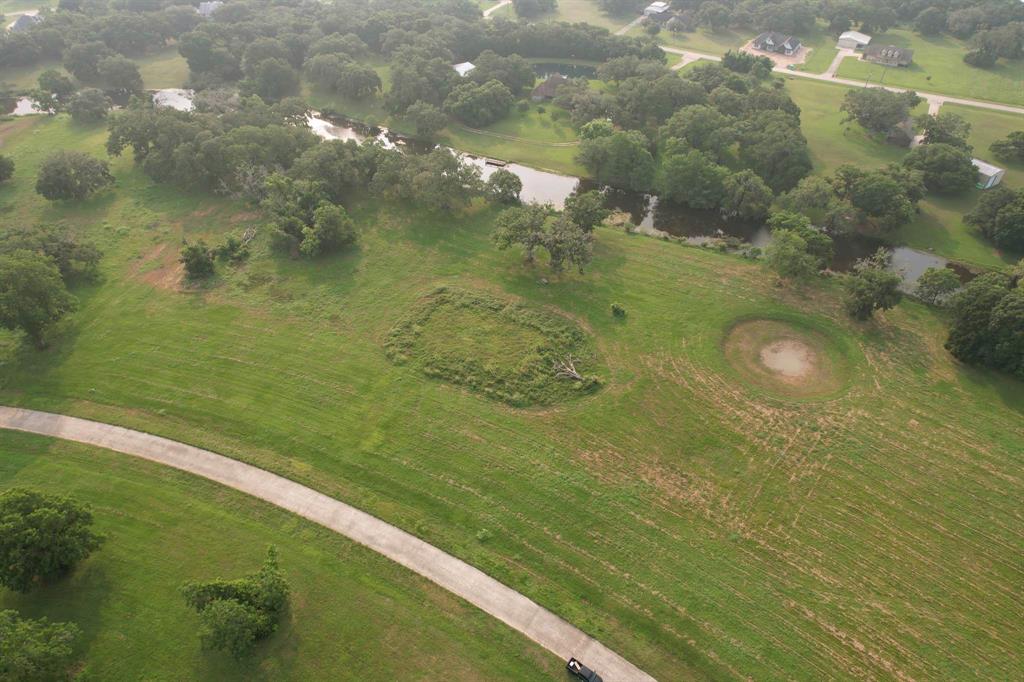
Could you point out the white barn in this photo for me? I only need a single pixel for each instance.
(655, 8)
(988, 175)
(853, 40)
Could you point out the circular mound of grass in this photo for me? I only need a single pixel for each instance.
(505, 350)
(787, 359)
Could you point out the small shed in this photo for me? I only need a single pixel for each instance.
(549, 88)
(889, 55)
(655, 8)
(988, 175)
(464, 68)
(853, 40)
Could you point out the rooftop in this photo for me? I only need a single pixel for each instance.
(986, 167)
(855, 35)
(464, 68)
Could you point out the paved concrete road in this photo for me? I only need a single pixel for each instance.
(454, 575)
(491, 10)
(625, 29)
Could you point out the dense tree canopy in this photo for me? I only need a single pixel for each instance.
(999, 215)
(89, 105)
(945, 169)
(35, 649)
(870, 287)
(42, 537)
(988, 323)
(72, 176)
(877, 109)
(621, 159)
(479, 105)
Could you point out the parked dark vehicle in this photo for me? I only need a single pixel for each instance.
(582, 672)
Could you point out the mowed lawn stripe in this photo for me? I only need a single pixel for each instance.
(702, 527)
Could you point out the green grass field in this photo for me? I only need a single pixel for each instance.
(352, 612)
(702, 40)
(939, 67)
(822, 44)
(587, 12)
(694, 522)
(939, 226)
(162, 69)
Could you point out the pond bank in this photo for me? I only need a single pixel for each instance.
(696, 227)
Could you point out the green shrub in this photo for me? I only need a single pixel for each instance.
(235, 614)
(618, 311)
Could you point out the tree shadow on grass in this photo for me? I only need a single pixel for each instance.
(78, 598)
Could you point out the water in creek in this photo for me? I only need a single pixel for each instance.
(644, 210)
(24, 107)
(546, 69)
(175, 98)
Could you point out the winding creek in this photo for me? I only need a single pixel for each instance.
(645, 211)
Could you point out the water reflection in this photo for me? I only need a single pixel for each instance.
(546, 69)
(175, 98)
(26, 106)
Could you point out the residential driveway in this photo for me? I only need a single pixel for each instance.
(454, 575)
(841, 54)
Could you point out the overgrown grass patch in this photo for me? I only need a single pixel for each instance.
(494, 346)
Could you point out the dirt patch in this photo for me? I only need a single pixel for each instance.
(14, 127)
(785, 359)
(789, 358)
(244, 217)
(160, 268)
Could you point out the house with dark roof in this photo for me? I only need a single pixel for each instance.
(889, 55)
(24, 23)
(773, 41)
(549, 88)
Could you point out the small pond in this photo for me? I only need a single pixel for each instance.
(545, 69)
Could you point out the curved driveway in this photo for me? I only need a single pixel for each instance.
(454, 575)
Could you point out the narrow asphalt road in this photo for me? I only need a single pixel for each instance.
(454, 575)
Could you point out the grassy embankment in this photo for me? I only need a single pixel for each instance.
(939, 67)
(939, 226)
(695, 522)
(352, 613)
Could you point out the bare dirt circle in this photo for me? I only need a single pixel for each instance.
(784, 358)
